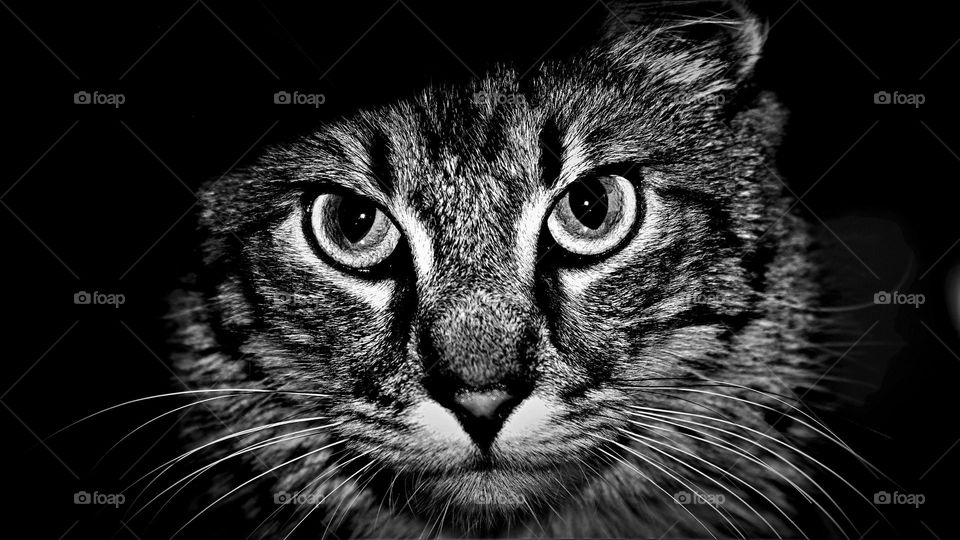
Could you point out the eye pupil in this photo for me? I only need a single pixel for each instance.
(352, 230)
(588, 202)
(595, 215)
(355, 216)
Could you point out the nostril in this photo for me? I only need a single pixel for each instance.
(492, 405)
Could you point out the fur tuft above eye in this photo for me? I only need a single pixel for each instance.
(594, 216)
(352, 230)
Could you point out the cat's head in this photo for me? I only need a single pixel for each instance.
(482, 279)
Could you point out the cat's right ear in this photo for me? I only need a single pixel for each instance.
(712, 36)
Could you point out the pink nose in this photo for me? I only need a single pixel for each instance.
(482, 414)
(484, 404)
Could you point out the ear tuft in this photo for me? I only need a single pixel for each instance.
(726, 27)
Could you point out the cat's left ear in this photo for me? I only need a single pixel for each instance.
(714, 36)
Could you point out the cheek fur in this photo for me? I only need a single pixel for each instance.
(467, 192)
(576, 282)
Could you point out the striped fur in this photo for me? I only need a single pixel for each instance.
(703, 318)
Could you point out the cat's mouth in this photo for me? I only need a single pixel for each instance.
(480, 494)
(538, 459)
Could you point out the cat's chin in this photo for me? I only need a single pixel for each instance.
(480, 498)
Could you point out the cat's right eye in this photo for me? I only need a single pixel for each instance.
(352, 230)
(595, 215)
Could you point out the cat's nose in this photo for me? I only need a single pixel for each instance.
(477, 352)
(482, 414)
(483, 404)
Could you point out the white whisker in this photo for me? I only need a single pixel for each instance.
(335, 489)
(778, 441)
(166, 466)
(182, 393)
(154, 419)
(725, 473)
(656, 485)
(196, 473)
(248, 482)
(328, 472)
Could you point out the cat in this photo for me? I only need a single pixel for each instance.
(571, 303)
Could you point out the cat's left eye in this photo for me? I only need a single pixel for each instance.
(352, 230)
(595, 215)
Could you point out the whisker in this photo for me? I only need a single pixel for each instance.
(248, 482)
(443, 517)
(419, 484)
(533, 515)
(154, 419)
(831, 437)
(637, 436)
(335, 489)
(182, 393)
(779, 399)
(563, 486)
(173, 462)
(782, 443)
(331, 519)
(687, 382)
(667, 471)
(362, 485)
(431, 523)
(166, 466)
(388, 493)
(658, 486)
(326, 472)
(672, 475)
(196, 473)
(692, 402)
(725, 473)
(726, 445)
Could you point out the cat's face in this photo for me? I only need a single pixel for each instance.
(479, 278)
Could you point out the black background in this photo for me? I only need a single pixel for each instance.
(97, 198)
